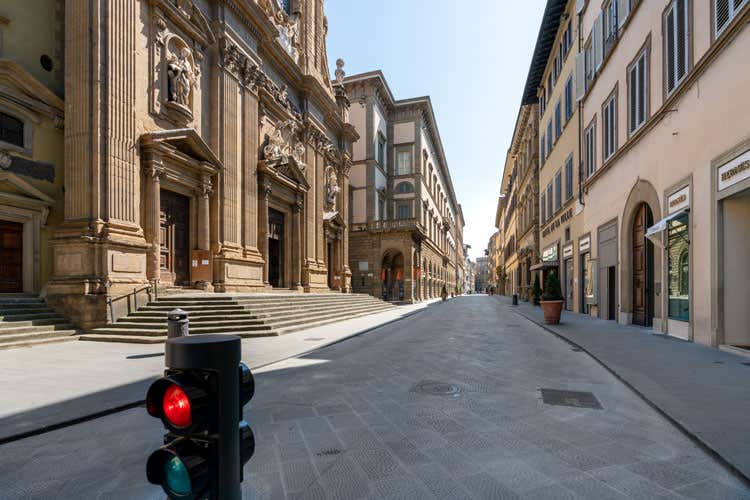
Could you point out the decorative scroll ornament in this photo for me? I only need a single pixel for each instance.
(332, 189)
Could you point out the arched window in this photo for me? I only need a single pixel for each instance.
(404, 188)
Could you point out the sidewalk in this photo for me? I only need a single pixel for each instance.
(703, 390)
(46, 386)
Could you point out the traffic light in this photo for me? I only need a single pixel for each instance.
(199, 400)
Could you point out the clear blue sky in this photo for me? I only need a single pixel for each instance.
(471, 58)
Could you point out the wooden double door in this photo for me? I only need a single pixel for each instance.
(174, 236)
(643, 263)
(11, 257)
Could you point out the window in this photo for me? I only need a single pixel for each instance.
(558, 121)
(550, 84)
(610, 21)
(590, 143)
(569, 177)
(588, 65)
(549, 137)
(542, 151)
(549, 199)
(544, 208)
(542, 102)
(381, 151)
(679, 268)
(569, 98)
(381, 208)
(609, 126)
(403, 210)
(676, 44)
(638, 92)
(567, 41)
(11, 130)
(403, 163)
(558, 190)
(404, 188)
(724, 12)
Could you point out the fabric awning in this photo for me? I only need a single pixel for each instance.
(653, 231)
(544, 265)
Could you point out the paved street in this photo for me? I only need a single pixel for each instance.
(445, 404)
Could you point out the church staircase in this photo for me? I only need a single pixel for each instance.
(26, 320)
(249, 315)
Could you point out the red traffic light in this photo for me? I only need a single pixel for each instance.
(181, 402)
(176, 406)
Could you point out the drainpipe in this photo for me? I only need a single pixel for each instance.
(580, 120)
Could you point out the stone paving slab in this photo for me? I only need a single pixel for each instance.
(45, 386)
(704, 390)
(345, 422)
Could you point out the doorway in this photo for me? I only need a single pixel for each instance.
(611, 295)
(11, 257)
(583, 282)
(275, 248)
(175, 237)
(735, 213)
(643, 264)
(330, 264)
(569, 284)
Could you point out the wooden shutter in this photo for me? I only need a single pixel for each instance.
(598, 41)
(580, 76)
(623, 10)
(580, 4)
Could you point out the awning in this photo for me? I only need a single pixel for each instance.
(544, 265)
(653, 231)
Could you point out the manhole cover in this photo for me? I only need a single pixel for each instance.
(570, 398)
(434, 388)
(314, 339)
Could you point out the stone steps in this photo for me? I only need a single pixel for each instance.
(243, 315)
(26, 320)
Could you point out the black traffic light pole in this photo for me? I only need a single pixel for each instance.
(219, 353)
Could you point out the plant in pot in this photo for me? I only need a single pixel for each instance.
(536, 290)
(552, 300)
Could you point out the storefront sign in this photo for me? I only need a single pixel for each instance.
(735, 171)
(679, 200)
(550, 254)
(564, 217)
(584, 244)
(568, 251)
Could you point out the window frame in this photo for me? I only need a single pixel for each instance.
(569, 180)
(558, 120)
(543, 200)
(606, 119)
(732, 12)
(590, 156)
(549, 136)
(665, 47)
(643, 53)
(569, 98)
(404, 151)
(558, 190)
(550, 200)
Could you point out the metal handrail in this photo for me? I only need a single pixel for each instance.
(151, 287)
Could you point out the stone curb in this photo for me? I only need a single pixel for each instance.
(664, 413)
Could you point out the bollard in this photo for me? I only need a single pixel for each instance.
(177, 321)
(515, 299)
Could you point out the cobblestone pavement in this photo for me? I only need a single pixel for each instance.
(446, 404)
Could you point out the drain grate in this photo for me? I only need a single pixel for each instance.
(576, 399)
(433, 388)
(329, 453)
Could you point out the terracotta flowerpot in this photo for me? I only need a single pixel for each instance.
(552, 310)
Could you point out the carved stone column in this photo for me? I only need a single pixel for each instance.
(154, 170)
(265, 193)
(297, 243)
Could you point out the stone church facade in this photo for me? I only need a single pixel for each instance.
(205, 146)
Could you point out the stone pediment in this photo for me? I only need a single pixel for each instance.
(288, 168)
(186, 141)
(189, 19)
(17, 82)
(16, 192)
(334, 219)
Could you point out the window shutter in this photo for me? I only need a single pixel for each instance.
(623, 10)
(722, 14)
(580, 5)
(580, 77)
(598, 41)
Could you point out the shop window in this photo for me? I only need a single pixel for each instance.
(679, 268)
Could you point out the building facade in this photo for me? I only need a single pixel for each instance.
(482, 274)
(506, 222)
(407, 226)
(667, 165)
(205, 146)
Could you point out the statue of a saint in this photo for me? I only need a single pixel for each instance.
(332, 190)
(181, 75)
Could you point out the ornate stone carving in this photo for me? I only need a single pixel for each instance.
(181, 77)
(339, 73)
(5, 160)
(283, 142)
(332, 189)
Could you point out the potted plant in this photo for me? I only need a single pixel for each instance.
(552, 301)
(536, 290)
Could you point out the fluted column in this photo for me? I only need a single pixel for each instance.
(297, 243)
(263, 227)
(204, 224)
(154, 170)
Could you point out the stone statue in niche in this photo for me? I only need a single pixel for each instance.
(332, 189)
(298, 153)
(181, 77)
(339, 73)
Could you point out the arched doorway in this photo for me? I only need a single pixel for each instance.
(643, 267)
(392, 276)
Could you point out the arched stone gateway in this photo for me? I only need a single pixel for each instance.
(640, 264)
(392, 275)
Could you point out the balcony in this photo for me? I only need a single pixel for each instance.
(393, 225)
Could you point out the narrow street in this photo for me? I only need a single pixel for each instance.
(444, 404)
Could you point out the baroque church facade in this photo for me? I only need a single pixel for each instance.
(204, 146)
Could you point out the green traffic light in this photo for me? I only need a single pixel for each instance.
(177, 477)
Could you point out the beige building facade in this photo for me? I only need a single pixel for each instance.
(406, 224)
(666, 165)
(205, 147)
